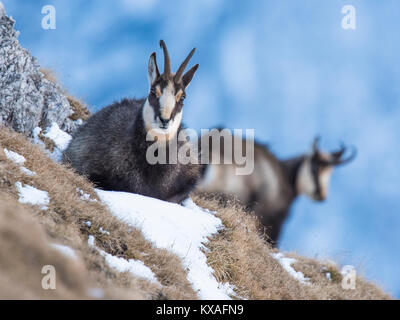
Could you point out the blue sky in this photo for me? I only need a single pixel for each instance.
(285, 68)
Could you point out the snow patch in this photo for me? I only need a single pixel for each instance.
(286, 263)
(135, 267)
(85, 196)
(15, 157)
(182, 230)
(59, 137)
(64, 250)
(27, 171)
(31, 195)
(18, 159)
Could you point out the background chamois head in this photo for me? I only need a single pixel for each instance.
(162, 112)
(315, 171)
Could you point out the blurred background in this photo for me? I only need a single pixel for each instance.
(285, 68)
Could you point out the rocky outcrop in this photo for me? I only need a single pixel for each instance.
(27, 99)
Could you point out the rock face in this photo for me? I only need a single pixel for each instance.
(27, 99)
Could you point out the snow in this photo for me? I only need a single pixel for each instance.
(18, 159)
(31, 195)
(64, 250)
(59, 137)
(286, 263)
(182, 230)
(85, 196)
(104, 231)
(13, 156)
(135, 267)
(27, 171)
(36, 138)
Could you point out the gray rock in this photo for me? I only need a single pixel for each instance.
(27, 99)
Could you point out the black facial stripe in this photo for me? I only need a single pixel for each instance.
(315, 174)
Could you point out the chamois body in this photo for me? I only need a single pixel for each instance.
(274, 184)
(111, 148)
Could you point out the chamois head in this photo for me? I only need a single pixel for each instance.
(316, 169)
(162, 112)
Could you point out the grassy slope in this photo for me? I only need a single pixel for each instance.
(237, 254)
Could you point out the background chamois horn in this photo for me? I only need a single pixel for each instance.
(316, 143)
(167, 60)
(338, 155)
(182, 67)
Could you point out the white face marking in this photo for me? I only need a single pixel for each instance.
(153, 125)
(167, 101)
(305, 180)
(306, 183)
(324, 179)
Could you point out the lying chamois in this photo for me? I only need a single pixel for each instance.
(111, 148)
(274, 184)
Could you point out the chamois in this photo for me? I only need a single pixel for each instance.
(110, 149)
(274, 184)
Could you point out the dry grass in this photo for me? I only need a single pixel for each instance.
(64, 222)
(240, 256)
(80, 109)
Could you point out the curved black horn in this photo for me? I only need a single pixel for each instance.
(183, 66)
(167, 61)
(338, 156)
(315, 144)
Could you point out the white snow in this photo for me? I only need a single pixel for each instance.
(286, 263)
(18, 159)
(104, 231)
(182, 230)
(36, 139)
(27, 171)
(85, 196)
(31, 195)
(65, 250)
(13, 156)
(135, 267)
(59, 137)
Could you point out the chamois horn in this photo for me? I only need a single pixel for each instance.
(183, 66)
(167, 60)
(337, 156)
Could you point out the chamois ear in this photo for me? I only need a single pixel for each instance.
(152, 69)
(188, 76)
